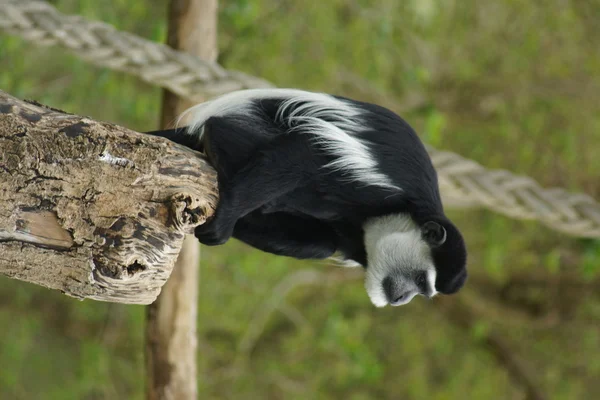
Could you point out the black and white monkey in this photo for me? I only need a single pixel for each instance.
(307, 175)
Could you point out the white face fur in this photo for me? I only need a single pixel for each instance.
(395, 248)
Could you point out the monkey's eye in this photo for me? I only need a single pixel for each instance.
(421, 282)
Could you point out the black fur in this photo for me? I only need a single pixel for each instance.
(179, 136)
(275, 195)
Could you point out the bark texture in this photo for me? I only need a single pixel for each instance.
(91, 208)
(171, 322)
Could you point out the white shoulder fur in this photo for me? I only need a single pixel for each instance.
(332, 122)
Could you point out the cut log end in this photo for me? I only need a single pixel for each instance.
(93, 209)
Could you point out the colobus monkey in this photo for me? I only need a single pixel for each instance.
(307, 175)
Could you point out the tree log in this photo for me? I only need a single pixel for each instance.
(93, 209)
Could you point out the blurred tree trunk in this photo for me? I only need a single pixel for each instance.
(171, 320)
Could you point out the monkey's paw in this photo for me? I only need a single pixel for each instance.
(214, 232)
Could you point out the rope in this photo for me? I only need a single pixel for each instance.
(103, 45)
(463, 183)
(466, 184)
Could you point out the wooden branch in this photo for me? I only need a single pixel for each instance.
(94, 209)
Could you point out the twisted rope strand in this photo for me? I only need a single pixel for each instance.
(463, 182)
(101, 44)
(466, 184)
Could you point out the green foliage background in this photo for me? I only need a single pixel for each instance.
(512, 84)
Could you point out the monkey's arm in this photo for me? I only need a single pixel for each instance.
(287, 235)
(273, 171)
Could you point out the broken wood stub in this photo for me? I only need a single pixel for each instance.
(94, 209)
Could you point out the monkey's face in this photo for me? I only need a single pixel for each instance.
(405, 260)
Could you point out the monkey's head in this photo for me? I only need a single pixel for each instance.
(405, 259)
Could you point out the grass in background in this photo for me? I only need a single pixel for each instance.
(511, 85)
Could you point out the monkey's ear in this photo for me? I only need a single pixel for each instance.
(434, 233)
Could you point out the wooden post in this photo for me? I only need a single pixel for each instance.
(171, 320)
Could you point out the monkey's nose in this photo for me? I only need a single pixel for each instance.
(397, 293)
(403, 298)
